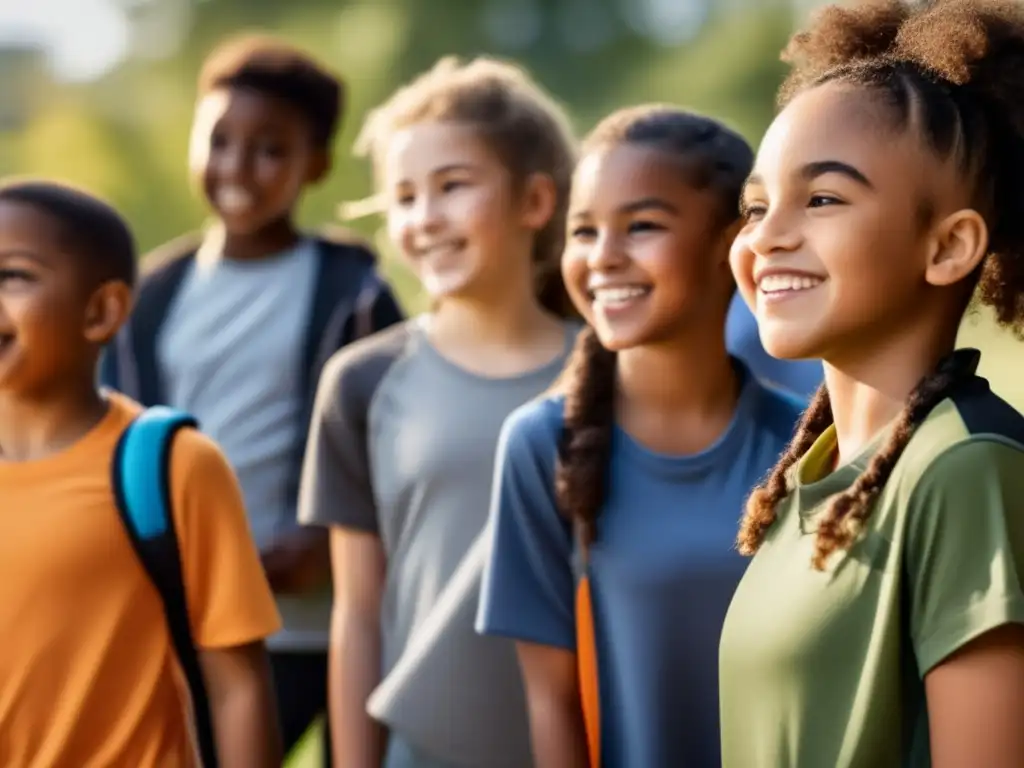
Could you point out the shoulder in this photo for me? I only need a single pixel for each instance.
(341, 243)
(534, 427)
(193, 448)
(970, 439)
(361, 365)
(168, 257)
(199, 465)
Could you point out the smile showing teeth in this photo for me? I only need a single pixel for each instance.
(618, 294)
(233, 199)
(442, 249)
(790, 283)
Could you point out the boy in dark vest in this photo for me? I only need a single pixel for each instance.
(234, 325)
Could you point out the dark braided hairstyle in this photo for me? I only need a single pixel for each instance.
(712, 157)
(952, 71)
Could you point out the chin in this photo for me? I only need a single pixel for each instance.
(788, 346)
(440, 287)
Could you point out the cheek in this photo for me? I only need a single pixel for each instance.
(400, 230)
(741, 262)
(482, 210)
(677, 270)
(574, 275)
(284, 173)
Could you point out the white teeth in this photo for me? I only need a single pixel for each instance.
(233, 199)
(779, 283)
(441, 249)
(618, 295)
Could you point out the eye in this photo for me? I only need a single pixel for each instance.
(450, 185)
(583, 232)
(820, 201)
(273, 151)
(752, 211)
(15, 275)
(642, 226)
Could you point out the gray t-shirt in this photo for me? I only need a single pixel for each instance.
(402, 445)
(230, 353)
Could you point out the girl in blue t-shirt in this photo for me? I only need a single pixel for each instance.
(617, 497)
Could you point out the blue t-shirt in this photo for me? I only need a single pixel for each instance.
(662, 570)
(742, 339)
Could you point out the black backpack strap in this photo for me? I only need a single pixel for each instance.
(141, 482)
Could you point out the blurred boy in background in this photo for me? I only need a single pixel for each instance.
(234, 325)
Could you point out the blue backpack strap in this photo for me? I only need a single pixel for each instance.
(141, 482)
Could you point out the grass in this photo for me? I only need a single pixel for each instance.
(307, 752)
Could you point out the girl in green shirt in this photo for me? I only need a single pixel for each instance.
(881, 622)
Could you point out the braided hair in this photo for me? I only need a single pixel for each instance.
(716, 158)
(953, 71)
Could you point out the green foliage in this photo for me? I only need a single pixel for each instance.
(126, 136)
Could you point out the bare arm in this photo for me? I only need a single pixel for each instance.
(242, 707)
(976, 703)
(553, 698)
(299, 562)
(358, 566)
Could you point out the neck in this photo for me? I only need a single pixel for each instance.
(36, 426)
(507, 318)
(691, 374)
(271, 239)
(870, 389)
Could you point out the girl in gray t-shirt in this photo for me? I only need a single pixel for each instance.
(474, 164)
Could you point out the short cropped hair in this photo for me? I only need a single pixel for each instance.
(89, 228)
(270, 66)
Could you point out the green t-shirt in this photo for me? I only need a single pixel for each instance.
(825, 669)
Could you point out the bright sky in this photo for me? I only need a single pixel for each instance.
(83, 38)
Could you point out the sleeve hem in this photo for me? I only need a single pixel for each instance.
(519, 634)
(954, 635)
(320, 521)
(239, 638)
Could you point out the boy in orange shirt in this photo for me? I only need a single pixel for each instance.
(87, 672)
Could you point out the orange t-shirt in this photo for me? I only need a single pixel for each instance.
(87, 671)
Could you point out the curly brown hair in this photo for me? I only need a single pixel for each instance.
(716, 158)
(953, 72)
(519, 121)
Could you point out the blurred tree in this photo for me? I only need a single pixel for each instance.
(126, 135)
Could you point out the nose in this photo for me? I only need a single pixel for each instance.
(231, 162)
(606, 254)
(776, 233)
(427, 214)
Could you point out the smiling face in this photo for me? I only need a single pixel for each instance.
(452, 210)
(646, 253)
(839, 226)
(254, 155)
(50, 327)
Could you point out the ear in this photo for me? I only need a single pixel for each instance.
(320, 164)
(961, 242)
(106, 311)
(539, 200)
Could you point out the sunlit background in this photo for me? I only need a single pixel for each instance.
(100, 92)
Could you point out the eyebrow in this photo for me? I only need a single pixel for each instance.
(21, 253)
(813, 170)
(637, 206)
(452, 167)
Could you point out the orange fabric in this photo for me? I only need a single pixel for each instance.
(586, 659)
(87, 673)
